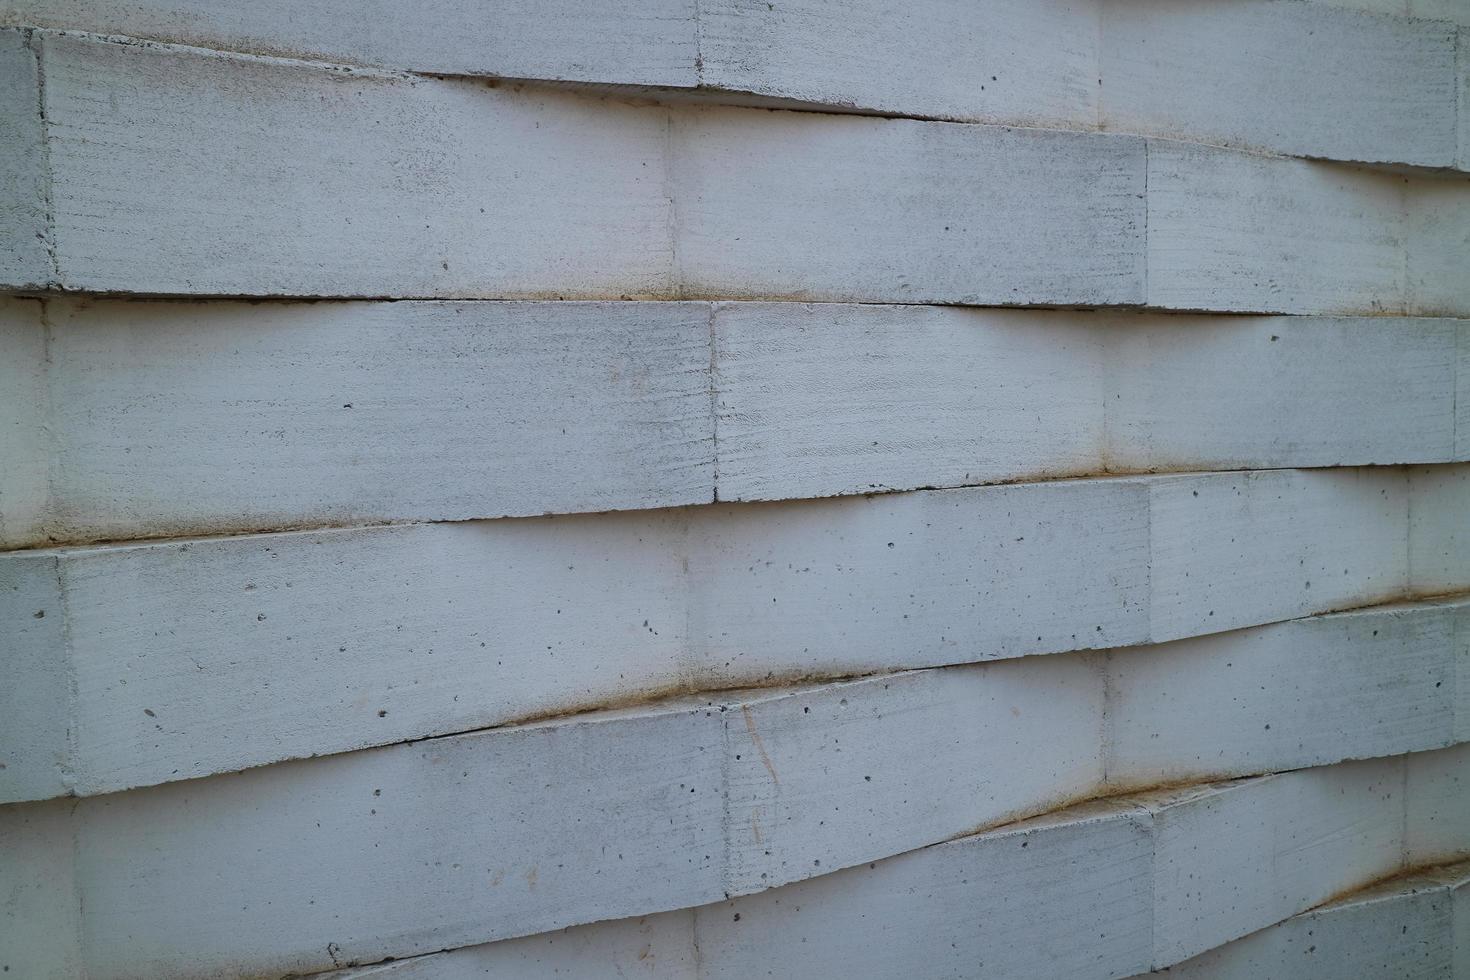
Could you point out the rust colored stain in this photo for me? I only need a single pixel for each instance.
(759, 745)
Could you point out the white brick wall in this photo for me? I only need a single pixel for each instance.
(730, 489)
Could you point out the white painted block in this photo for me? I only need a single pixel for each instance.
(1280, 75)
(1280, 391)
(824, 399)
(37, 697)
(1373, 682)
(1463, 76)
(174, 418)
(368, 184)
(883, 210)
(40, 925)
(1451, 10)
(809, 780)
(650, 43)
(1235, 232)
(1029, 64)
(404, 850)
(1105, 889)
(518, 830)
(952, 576)
(1438, 788)
(1229, 861)
(1438, 264)
(26, 261)
(1402, 928)
(836, 206)
(191, 658)
(1258, 73)
(1233, 550)
(1439, 528)
(340, 413)
(816, 777)
(207, 174)
(1050, 898)
(1460, 902)
(24, 436)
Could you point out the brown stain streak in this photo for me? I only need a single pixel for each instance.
(760, 746)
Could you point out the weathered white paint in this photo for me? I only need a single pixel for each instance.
(1280, 75)
(1402, 928)
(339, 413)
(1232, 231)
(1290, 77)
(1451, 10)
(1439, 527)
(168, 418)
(456, 189)
(850, 208)
(684, 801)
(1438, 264)
(1029, 64)
(40, 916)
(1102, 890)
(1377, 681)
(691, 201)
(817, 400)
(1228, 863)
(1438, 783)
(815, 779)
(648, 43)
(26, 260)
(251, 649)
(25, 478)
(362, 183)
(1463, 69)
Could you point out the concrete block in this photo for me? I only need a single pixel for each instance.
(1372, 682)
(1297, 78)
(559, 40)
(1028, 64)
(1232, 231)
(168, 419)
(1401, 928)
(184, 659)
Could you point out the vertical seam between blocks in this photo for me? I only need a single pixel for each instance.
(1105, 737)
(676, 271)
(1405, 852)
(726, 876)
(698, 46)
(714, 400)
(47, 525)
(1147, 207)
(48, 200)
(68, 767)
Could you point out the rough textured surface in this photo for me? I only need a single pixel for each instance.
(438, 454)
(192, 658)
(26, 260)
(1032, 63)
(827, 399)
(1289, 77)
(168, 418)
(1308, 79)
(1231, 231)
(648, 43)
(693, 201)
(1405, 928)
(1103, 890)
(295, 415)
